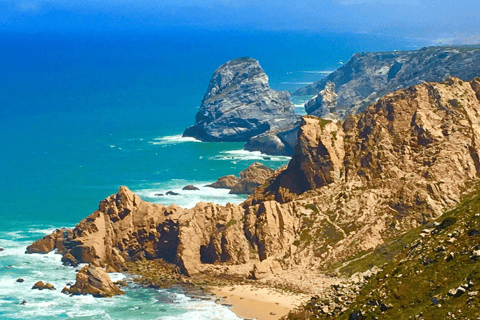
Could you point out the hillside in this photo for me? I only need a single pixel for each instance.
(432, 272)
(366, 77)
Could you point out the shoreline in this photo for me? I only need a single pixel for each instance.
(258, 302)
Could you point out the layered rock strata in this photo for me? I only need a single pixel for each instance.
(239, 104)
(368, 76)
(349, 187)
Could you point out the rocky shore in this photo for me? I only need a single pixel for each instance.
(351, 187)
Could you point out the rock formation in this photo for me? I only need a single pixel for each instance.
(250, 178)
(239, 104)
(368, 76)
(40, 285)
(95, 281)
(350, 186)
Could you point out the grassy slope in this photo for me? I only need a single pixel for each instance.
(419, 272)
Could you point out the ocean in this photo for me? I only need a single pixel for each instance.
(82, 114)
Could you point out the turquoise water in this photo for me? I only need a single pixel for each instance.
(82, 115)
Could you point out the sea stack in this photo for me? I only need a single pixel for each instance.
(239, 104)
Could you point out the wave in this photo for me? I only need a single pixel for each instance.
(138, 302)
(244, 155)
(302, 83)
(176, 139)
(187, 198)
(317, 72)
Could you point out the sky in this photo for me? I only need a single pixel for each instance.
(415, 18)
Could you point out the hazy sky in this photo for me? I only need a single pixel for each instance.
(406, 17)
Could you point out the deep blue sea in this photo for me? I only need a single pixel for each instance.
(82, 114)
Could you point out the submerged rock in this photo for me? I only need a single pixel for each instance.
(95, 281)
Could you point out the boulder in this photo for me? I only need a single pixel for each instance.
(190, 187)
(239, 104)
(95, 281)
(171, 193)
(20, 280)
(226, 182)
(255, 175)
(40, 286)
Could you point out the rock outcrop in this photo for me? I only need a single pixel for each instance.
(350, 186)
(366, 77)
(95, 281)
(255, 175)
(399, 164)
(40, 285)
(239, 105)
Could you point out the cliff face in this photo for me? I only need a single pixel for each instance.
(368, 76)
(349, 187)
(239, 104)
(401, 163)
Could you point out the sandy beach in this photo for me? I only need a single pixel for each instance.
(261, 303)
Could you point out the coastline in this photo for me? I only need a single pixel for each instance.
(258, 302)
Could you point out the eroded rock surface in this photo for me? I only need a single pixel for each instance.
(239, 104)
(255, 175)
(95, 281)
(350, 186)
(366, 77)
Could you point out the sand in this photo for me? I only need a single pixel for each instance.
(261, 303)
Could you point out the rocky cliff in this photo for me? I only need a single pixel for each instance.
(368, 76)
(239, 104)
(350, 186)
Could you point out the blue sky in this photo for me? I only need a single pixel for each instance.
(406, 17)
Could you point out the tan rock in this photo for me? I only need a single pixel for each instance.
(41, 286)
(95, 281)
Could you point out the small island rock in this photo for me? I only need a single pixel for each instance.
(40, 286)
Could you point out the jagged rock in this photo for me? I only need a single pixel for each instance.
(366, 77)
(277, 141)
(265, 269)
(40, 286)
(1, 249)
(190, 187)
(171, 193)
(69, 260)
(95, 281)
(350, 186)
(159, 194)
(255, 175)
(239, 104)
(226, 182)
(50, 242)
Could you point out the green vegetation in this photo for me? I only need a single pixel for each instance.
(230, 223)
(431, 272)
(323, 122)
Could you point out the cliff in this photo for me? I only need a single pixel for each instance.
(349, 187)
(368, 76)
(239, 104)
